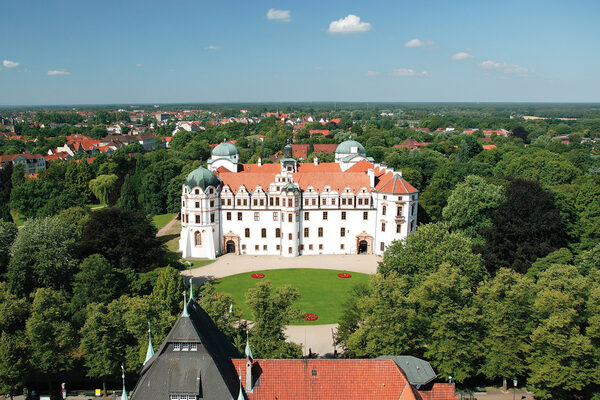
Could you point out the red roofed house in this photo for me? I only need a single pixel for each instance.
(411, 144)
(300, 151)
(324, 132)
(489, 146)
(324, 148)
(349, 206)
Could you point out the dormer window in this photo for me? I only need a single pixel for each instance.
(197, 191)
(176, 346)
(193, 346)
(185, 347)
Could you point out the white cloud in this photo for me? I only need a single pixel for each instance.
(461, 55)
(139, 65)
(408, 72)
(10, 64)
(419, 43)
(349, 24)
(505, 67)
(318, 68)
(58, 72)
(279, 15)
(211, 48)
(373, 73)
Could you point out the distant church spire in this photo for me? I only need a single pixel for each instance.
(185, 312)
(191, 290)
(150, 351)
(124, 394)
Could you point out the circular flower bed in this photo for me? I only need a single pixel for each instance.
(310, 317)
(258, 276)
(344, 275)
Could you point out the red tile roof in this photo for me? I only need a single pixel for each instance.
(324, 132)
(439, 391)
(411, 143)
(11, 157)
(325, 148)
(489, 146)
(393, 183)
(300, 150)
(376, 379)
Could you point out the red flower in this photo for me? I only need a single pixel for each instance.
(344, 275)
(258, 276)
(310, 317)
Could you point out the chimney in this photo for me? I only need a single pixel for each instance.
(316, 161)
(248, 375)
(371, 174)
(259, 162)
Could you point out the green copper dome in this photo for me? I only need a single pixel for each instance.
(202, 178)
(225, 150)
(346, 147)
(290, 187)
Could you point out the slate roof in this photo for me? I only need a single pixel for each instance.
(207, 372)
(418, 372)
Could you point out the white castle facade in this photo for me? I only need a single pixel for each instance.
(350, 206)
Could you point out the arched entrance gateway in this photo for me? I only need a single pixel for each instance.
(364, 243)
(230, 246)
(231, 243)
(362, 247)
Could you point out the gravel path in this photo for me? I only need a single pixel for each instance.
(163, 231)
(231, 264)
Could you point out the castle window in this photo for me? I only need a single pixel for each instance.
(277, 232)
(398, 227)
(342, 246)
(290, 217)
(198, 239)
(239, 202)
(383, 210)
(384, 197)
(197, 191)
(275, 216)
(212, 217)
(301, 247)
(290, 203)
(320, 247)
(412, 210)
(305, 232)
(197, 204)
(212, 203)
(342, 232)
(412, 226)
(264, 247)
(183, 204)
(262, 202)
(263, 232)
(320, 232)
(245, 202)
(256, 247)
(360, 202)
(247, 232)
(289, 250)
(256, 216)
(382, 246)
(239, 216)
(228, 215)
(383, 227)
(365, 215)
(306, 216)
(343, 202)
(310, 246)
(197, 219)
(305, 202)
(244, 247)
(255, 202)
(343, 215)
(399, 211)
(324, 215)
(228, 202)
(290, 236)
(278, 247)
(276, 201)
(271, 201)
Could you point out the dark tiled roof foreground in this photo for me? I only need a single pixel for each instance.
(215, 371)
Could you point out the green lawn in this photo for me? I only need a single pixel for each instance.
(322, 292)
(197, 263)
(162, 219)
(18, 219)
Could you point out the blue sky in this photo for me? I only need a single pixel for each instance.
(131, 51)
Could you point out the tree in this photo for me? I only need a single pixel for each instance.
(562, 357)
(8, 232)
(351, 318)
(168, 291)
(102, 187)
(521, 133)
(505, 303)
(50, 334)
(5, 189)
(427, 248)
(103, 339)
(128, 199)
(13, 362)
(96, 282)
(561, 256)
(13, 310)
(468, 148)
(526, 226)
(471, 204)
(271, 310)
(590, 260)
(43, 255)
(127, 239)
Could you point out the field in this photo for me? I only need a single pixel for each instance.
(322, 292)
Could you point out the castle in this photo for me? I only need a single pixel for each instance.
(350, 206)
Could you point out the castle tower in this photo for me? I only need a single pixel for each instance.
(290, 221)
(200, 204)
(224, 155)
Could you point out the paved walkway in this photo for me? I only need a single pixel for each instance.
(231, 264)
(165, 229)
(315, 339)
